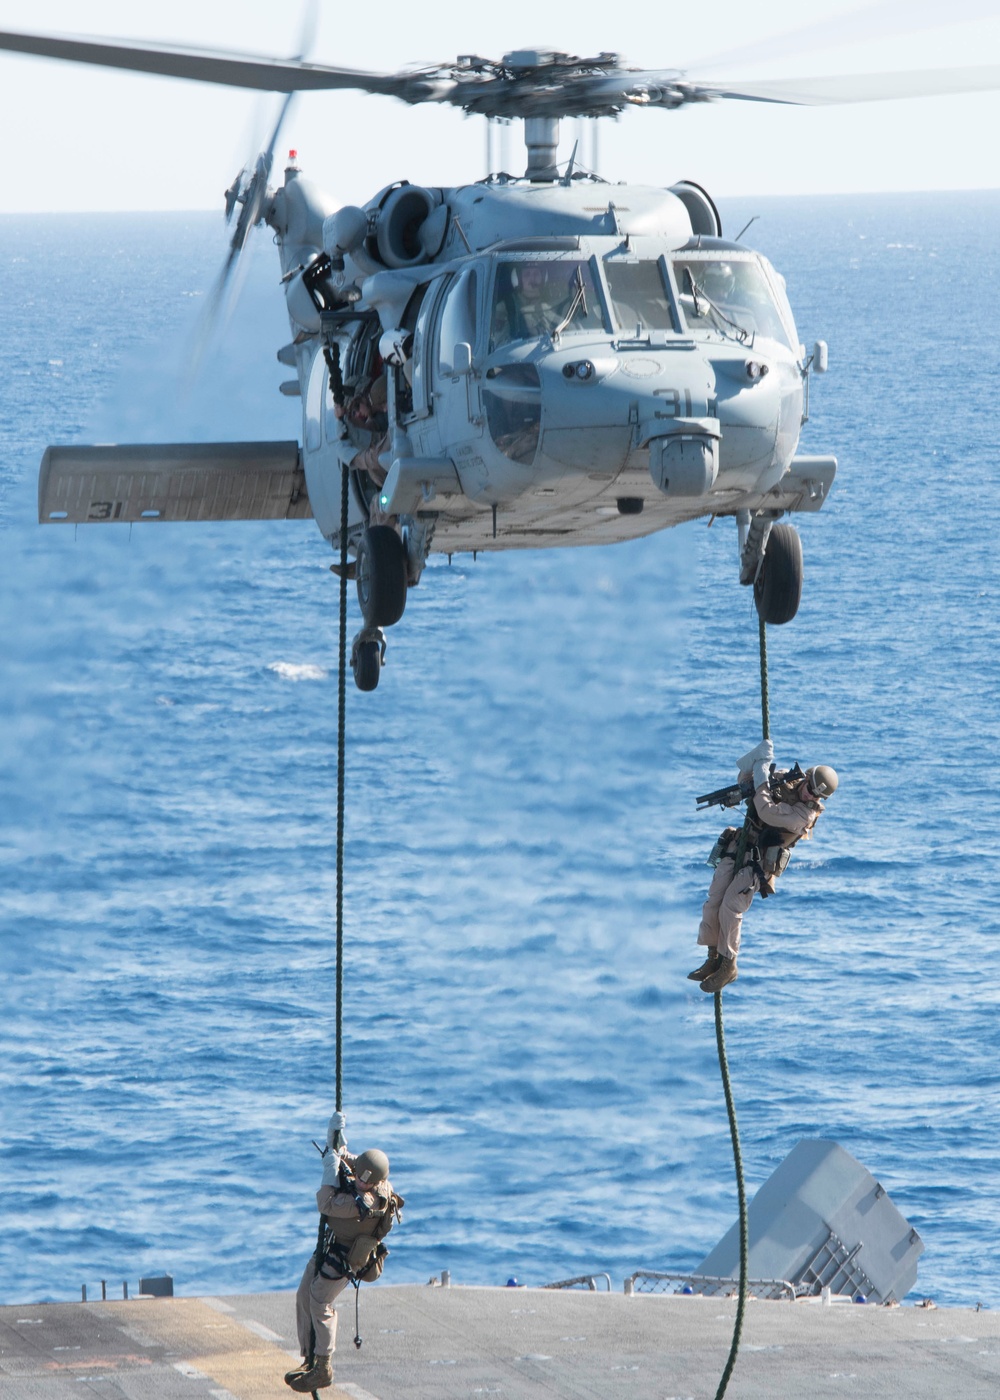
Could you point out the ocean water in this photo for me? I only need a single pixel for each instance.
(524, 862)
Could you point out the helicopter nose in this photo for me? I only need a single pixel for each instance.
(598, 407)
(701, 419)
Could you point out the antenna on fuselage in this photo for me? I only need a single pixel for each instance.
(567, 178)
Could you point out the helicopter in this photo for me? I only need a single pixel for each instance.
(527, 361)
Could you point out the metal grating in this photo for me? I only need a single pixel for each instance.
(706, 1285)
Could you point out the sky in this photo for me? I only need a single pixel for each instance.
(80, 138)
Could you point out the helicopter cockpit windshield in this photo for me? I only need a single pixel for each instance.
(731, 297)
(532, 299)
(639, 296)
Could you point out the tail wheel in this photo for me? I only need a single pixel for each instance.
(366, 663)
(777, 589)
(381, 576)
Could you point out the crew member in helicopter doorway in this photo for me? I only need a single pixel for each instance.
(359, 1207)
(368, 427)
(783, 811)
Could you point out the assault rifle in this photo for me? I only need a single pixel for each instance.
(730, 796)
(736, 793)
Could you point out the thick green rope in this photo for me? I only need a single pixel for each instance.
(337, 387)
(741, 1190)
(341, 708)
(765, 710)
(720, 1041)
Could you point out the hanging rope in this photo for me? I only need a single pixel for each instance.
(741, 1191)
(341, 709)
(720, 1040)
(765, 709)
(320, 1250)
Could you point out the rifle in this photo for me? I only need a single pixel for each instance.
(730, 796)
(736, 793)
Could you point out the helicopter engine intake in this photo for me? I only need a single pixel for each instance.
(400, 219)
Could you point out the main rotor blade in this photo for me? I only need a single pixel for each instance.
(884, 19)
(861, 87)
(307, 30)
(205, 65)
(591, 92)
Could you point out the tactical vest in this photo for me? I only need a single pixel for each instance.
(769, 848)
(353, 1247)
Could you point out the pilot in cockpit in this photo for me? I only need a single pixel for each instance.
(730, 297)
(526, 304)
(534, 299)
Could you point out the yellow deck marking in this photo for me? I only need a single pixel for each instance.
(233, 1355)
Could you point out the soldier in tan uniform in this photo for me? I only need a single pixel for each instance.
(367, 413)
(358, 1205)
(777, 818)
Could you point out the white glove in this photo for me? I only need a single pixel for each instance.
(760, 774)
(763, 753)
(335, 1129)
(331, 1168)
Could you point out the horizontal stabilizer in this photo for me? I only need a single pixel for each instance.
(172, 481)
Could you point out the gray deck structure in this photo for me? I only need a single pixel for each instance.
(434, 1343)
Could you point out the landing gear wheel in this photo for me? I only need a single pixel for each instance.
(381, 576)
(367, 656)
(366, 665)
(777, 589)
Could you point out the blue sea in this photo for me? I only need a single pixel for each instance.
(524, 862)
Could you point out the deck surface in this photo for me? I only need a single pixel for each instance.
(432, 1343)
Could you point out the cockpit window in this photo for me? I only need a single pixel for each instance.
(730, 297)
(513, 399)
(533, 299)
(638, 297)
(777, 285)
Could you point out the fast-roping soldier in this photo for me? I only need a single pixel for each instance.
(783, 810)
(358, 1206)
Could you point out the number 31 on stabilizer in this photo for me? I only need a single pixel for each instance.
(524, 362)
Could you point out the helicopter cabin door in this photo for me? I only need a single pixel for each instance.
(455, 383)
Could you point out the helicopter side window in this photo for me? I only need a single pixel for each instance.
(729, 297)
(458, 319)
(638, 296)
(422, 356)
(513, 401)
(535, 299)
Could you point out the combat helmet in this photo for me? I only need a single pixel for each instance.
(822, 780)
(371, 1168)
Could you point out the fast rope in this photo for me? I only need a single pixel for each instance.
(720, 1040)
(331, 354)
(333, 363)
(341, 729)
(341, 709)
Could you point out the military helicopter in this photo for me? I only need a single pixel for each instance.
(526, 361)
